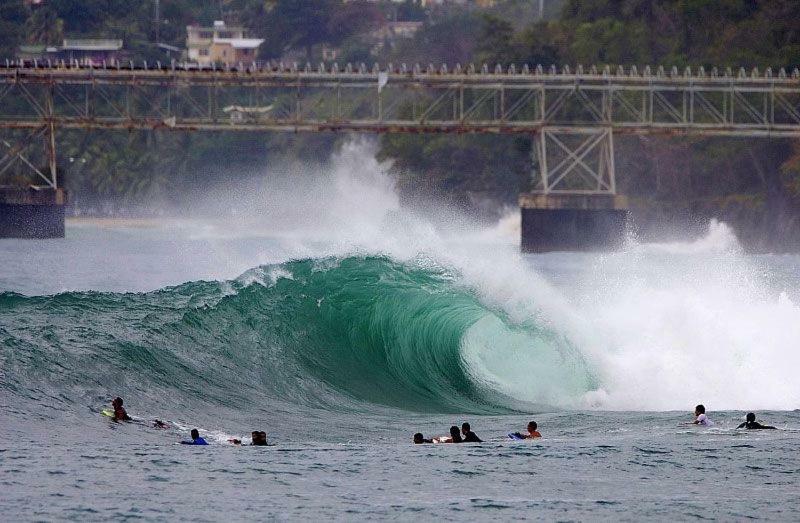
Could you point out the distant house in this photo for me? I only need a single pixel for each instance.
(93, 49)
(390, 32)
(96, 50)
(220, 43)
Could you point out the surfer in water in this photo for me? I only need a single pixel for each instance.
(119, 411)
(258, 438)
(419, 439)
(532, 432)
(469, 436)
(700, 417)
(196, 439)
(455, 437)
(751, 423)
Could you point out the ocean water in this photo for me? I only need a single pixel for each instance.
(343, 331)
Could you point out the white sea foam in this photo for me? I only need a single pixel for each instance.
(663, 326)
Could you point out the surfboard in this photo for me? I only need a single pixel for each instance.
(107, 412)
(514, 436)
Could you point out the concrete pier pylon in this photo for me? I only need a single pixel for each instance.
(32, 212)
(570, 222)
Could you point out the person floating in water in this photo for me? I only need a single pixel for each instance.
(119, 411)
(532, 432)
(196, 439)
(751, 423)
(469, 436)
(158, 424)
(701, 418)
(258, 438)
(419, 439)
(454, 437)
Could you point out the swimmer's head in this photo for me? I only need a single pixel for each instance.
(532, 426)
(700, 409)
(116, 402)
(454, 432)
(195, 434)
(750, 417)
(465, 428)
(418, 438)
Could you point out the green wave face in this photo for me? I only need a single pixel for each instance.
(332, 333)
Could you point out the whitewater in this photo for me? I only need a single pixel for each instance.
(311, 304)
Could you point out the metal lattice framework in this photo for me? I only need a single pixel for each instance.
(572, 114)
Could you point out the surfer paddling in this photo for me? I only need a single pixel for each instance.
(469, 436)
(196, 439)
(119, 411)
(700, 417)
(454, 437)
(532, 433)
(751, 423)
(420, 439)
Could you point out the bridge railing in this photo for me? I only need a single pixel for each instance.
(573, 113)
(398, 98)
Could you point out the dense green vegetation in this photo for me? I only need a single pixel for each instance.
(749, 182)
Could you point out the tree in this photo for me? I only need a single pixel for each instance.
(496, 41)
(12, 23)
(299, 25)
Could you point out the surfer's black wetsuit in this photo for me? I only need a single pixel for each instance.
(471, 437)
(754, 425)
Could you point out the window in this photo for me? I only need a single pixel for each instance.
(206, 35)
(203, 52)
(225, 34)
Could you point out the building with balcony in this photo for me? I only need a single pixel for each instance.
(220, 44)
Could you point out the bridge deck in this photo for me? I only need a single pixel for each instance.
(398, 99)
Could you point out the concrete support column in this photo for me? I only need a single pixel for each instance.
(569, 222)
(32, 213)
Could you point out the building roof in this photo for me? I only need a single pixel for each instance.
(234, 28)
(167, 47)
(35, 48)
(240, 43)
(91, 44)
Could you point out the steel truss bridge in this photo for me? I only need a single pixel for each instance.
(572, 115)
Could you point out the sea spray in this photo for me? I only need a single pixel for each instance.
(671, 325)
